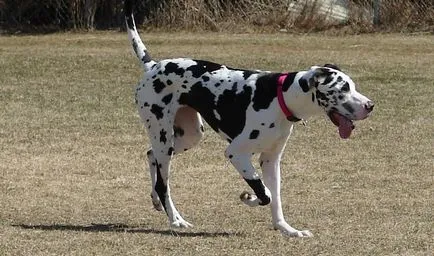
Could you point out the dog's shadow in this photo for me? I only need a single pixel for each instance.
(123, 228)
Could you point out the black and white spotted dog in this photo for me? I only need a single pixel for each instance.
(254, 111)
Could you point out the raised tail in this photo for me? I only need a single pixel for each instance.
(138, 46)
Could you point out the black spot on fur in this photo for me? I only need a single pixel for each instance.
(161, 187)
(254, 134)
(205, 78)
(157, 111)
(173, 68)
(266, 91)
(203, 67)
(333, 85)
(146, 57)
(247, 74)
(348, 107)
(328, 79)
(167, 99)
(134, 43)
(230, 106)
(345, 87)
(158, 85)
(303, 84)
(288, 81)
(202, 129)
(170, 152)
(163, 136)
(321, 96)
(169, 82)
(271, 125)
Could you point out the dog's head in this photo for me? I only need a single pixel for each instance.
(335, 92)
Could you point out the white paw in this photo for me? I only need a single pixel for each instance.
(287, 230)
(249, 199)
(180, 223)
(298, 233)
(252, 200)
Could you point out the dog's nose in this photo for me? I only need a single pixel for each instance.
(369, 106)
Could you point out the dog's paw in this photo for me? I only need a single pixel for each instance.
(289, 231)
(180, 223)
(298, 233)
(252, 200)
(249, 199)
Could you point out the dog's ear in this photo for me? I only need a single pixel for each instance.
(313, 78)
(319, 75)
(333, 66)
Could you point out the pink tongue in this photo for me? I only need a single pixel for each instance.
(345, 127)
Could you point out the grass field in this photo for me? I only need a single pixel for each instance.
(72, 161)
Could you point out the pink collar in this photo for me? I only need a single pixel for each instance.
(289, 115)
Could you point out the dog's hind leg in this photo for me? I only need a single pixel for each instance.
(153, 173)
(188, 130)
(160, 131)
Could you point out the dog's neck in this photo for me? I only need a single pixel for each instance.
(300, 103)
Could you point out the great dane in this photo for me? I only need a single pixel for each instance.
(254, 111)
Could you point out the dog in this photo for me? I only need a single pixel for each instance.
(254, 111)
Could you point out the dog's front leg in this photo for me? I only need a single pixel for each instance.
(242, 162)
(270, 164)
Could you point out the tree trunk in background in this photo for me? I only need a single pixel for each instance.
(89, 13)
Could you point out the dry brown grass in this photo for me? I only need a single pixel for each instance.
(72, 169)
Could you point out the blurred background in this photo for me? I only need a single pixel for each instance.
(350, 16)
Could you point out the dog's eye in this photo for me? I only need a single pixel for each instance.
(345, 87)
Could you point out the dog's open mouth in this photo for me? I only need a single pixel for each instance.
(345, 125)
